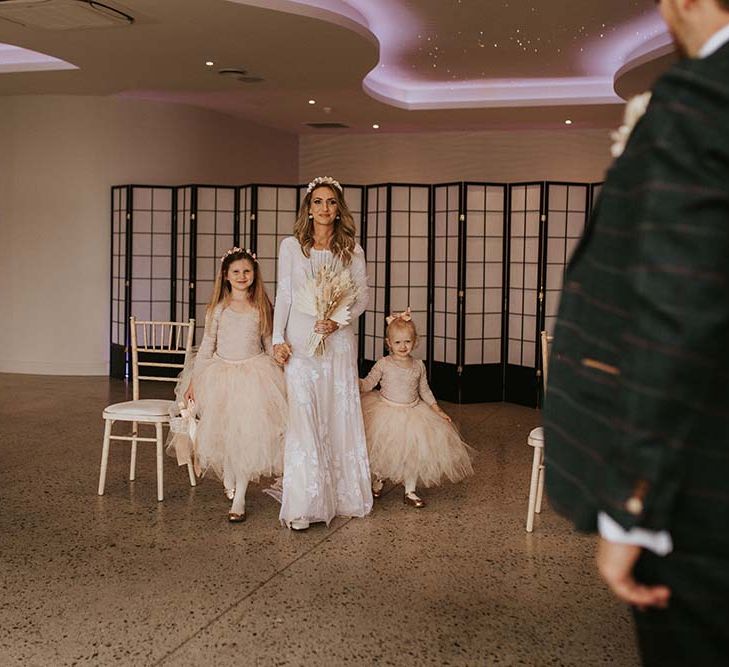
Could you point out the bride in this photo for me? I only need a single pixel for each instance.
(326, 470)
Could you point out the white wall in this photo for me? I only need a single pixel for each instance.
(567, 154)
(59, 155)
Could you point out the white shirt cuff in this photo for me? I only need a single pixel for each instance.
(277, 339)
(659, 542)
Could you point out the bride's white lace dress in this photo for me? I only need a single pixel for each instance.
(326, 470)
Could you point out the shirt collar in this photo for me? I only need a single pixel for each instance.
(715, 42)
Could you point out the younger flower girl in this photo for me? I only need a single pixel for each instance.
(237, 387)
(409, 437)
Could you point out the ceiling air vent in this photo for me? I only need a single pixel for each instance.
(239, 75)
(63, 14)
(327, 126)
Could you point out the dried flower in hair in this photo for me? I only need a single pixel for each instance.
(322, 180)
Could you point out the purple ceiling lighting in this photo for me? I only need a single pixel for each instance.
(646, 36)
(17, 59)
(413, 70)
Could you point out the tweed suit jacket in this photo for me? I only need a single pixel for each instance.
(637, 412)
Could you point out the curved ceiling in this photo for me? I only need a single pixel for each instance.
(445, 54)
(406, 65)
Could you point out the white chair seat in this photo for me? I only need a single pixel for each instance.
(536, 437)
(144, 409)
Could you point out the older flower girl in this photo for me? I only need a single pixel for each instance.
(238, 388)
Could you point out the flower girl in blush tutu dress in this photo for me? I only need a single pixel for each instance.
(409, 437)
(238, 388)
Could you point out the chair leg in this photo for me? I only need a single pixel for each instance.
(160, 453)
(105, 455)
(533, 485)
(540, 486)
(133, 460)
(191, 473)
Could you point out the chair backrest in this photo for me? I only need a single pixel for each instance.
(546, 340)
(152, 341)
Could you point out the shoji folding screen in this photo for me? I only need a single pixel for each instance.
(396, 245)
(483, 284)
(467, 290)
(120, 297)
(481, 265)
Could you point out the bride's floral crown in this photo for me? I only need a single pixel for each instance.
(322, 180)
(235, 249)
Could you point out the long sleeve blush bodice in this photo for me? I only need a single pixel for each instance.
(233, 336)
(397, 384)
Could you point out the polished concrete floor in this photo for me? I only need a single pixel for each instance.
(123, 579)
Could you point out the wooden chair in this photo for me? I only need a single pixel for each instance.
(158, 340)
(536, 440)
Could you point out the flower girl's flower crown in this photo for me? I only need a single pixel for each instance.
(236, 249)
(322, 180)
(405, 316)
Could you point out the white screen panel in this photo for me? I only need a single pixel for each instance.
(566, 217)
(276, 217)
(445, 283)
(409, 257)
(151, 252)
(118, 264)
(485, 210)
(376, 249)
(184, 222)
(523, 273)
(215, 225)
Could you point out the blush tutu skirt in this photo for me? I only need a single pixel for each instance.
(242, 412)
(410, 441)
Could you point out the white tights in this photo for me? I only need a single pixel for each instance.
(410, 485)
(239, 499)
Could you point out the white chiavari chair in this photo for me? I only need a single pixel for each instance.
(536, 440)
(150, 342)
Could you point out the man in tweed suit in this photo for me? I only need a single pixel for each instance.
(637, 412)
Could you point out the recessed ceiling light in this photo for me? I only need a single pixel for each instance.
(312, 101)
(568, 122)
(375, 126)
(209, 63)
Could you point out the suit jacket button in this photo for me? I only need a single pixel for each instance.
(634, 506)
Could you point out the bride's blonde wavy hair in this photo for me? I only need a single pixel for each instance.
(344, 236)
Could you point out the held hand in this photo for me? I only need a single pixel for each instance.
(443, 415)
(281, 353)
(615, 563)
(325, 327)
(190, 394)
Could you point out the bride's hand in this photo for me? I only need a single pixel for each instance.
(325, 327)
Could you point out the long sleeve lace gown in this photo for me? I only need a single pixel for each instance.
(326, 469)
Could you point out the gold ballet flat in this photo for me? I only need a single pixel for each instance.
(377, 487)
(413, 501)
(233, 517)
